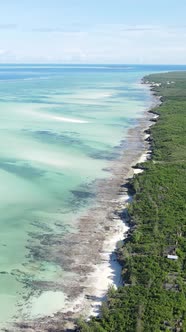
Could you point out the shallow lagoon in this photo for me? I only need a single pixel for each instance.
(59, 126)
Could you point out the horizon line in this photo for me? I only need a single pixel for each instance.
(91, 64)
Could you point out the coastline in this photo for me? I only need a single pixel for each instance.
(153, 256)
(102, 268)
(108, 272)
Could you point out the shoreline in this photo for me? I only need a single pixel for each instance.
(153, 255)
(108, 272)
(113, 198)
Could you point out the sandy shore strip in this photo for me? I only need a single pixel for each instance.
(89, 255)
(108, 272)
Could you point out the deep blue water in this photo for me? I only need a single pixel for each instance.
(23, 71)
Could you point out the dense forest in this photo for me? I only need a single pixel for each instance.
(153, 297)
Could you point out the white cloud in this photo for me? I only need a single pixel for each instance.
(109, 43)
(4, 52)
(8, 26)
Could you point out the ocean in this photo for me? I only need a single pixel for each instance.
(60, 126)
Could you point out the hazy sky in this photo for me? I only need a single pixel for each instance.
(93, 31)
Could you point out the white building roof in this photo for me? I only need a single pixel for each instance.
(175, 257)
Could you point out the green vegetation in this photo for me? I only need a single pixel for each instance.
(154, 296)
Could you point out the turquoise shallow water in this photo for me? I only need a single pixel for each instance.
(58, 129)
